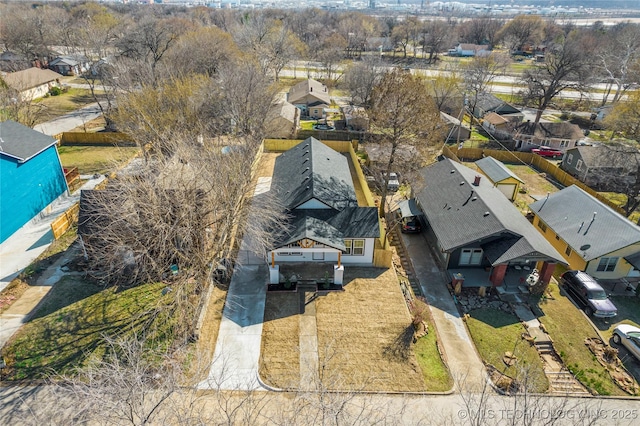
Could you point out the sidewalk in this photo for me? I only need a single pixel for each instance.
(30, 241)
(459, 351)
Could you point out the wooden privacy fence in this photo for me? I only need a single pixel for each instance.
(559, 175)
(97, 139)
(65, 221)
(281, 145)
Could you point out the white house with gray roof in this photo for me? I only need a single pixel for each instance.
(314, 184)
(591, 236)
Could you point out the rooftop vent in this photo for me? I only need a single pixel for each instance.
(485, 214)
(461, 183)
(476, 181)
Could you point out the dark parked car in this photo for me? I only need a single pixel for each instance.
(411, 225)
(588, 293)
(545, 151)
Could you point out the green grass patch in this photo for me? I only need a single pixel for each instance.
(569, 328)
(307, 124)
(620, 200)
(496, 332)
(94, 159)
(70, 100)
(68, 327)
(476, 136)
(436, 374)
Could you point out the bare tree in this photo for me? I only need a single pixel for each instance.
(436, 37)
(566, 66)
(203, 51)
(480, 73)
(17, 108)
(520, 31)
(445, 88)
(403, 115)
(617, 54)
(360, 79)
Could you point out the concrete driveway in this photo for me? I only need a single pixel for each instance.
(459, 351)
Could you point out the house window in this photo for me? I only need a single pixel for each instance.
(542, 226)
(564, 143)
(607, 264)
(470, 257)
(579, 165)
(568, 251)
(570, 158)
(354, 247)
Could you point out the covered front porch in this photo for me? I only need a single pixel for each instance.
(513, 277)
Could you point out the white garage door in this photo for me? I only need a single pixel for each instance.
(508, 189)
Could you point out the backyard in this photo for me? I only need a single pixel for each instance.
(95, 159)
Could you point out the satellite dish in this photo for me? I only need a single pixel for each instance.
(585, 247)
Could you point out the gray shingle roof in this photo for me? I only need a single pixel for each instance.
(460, 213)
(22, 142)
(489, 102)
(330, 227)
(560, 130)
(313, 170)
(624, 157)
(495, 170)
(570, 214)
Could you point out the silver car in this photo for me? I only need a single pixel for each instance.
(628, 336)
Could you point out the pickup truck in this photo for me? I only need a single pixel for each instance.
(546, 151)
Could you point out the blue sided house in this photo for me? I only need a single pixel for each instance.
(31, 175)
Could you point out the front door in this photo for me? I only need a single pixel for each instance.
(470, 257)
(317, 255)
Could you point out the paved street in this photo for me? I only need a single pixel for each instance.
(70, 121)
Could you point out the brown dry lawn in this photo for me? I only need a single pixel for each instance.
(365, 333)
(535, 183)
(280, 352)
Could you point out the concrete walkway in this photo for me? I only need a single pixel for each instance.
(30, 241)
(459, 351)
(19, 312)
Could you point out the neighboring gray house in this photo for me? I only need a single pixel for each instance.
(603, 168)
(477, 232)
(313, 183)
(486, 103)
(562, 135)
(591, 235)
(70, 64)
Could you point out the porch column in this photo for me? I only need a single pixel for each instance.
(545, 274)
(497, 274)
